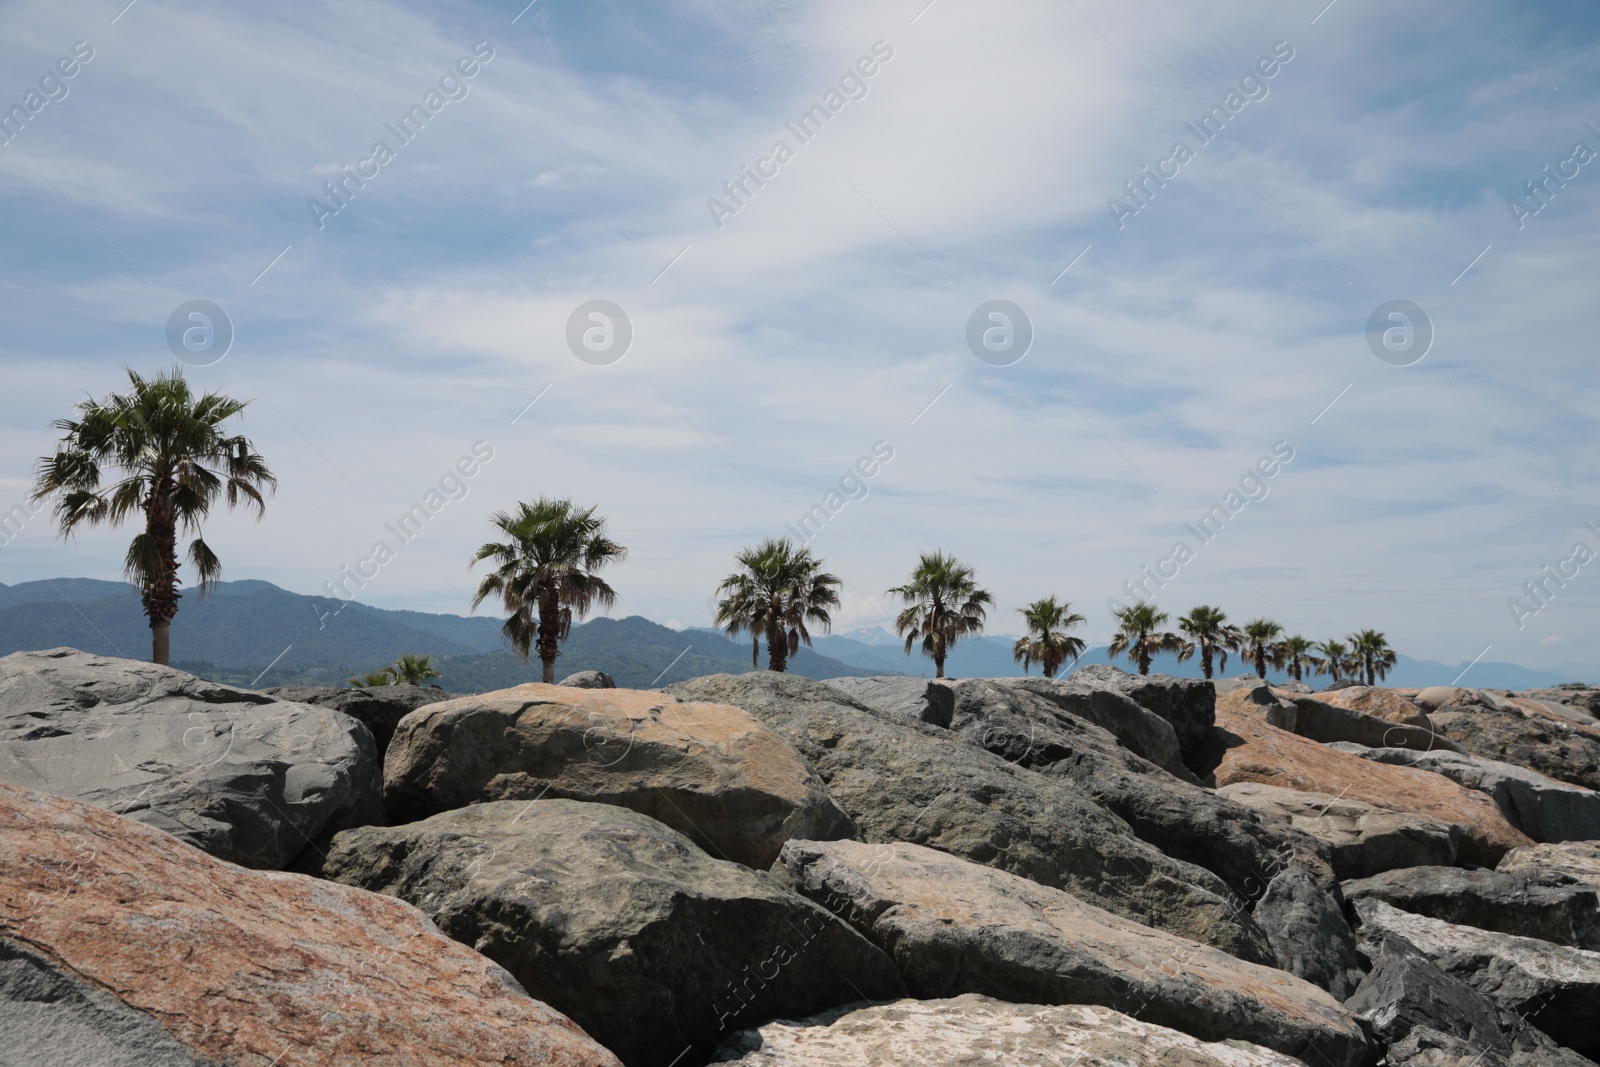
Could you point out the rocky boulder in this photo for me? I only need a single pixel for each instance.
(1144, 733)
(379, 708)
(1325, 721)
(1577, 860)
(954, 927)
(1365, 839)
(973, 1029)
(1583, 698)
(1555, 988)
(708, 770)
(1257, 752)
(907, 781)
(1186, 703)
(1380, 703)
(120, 946)
(233, 772)
(1566, 751)
(929, 700)
(1539, 904)
(589, 680)
(1541, 807)
(656, 949)
(1310, 937)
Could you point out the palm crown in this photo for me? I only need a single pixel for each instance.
(1046, 640)
(1332, 659)
(1209, 634)
(1261, 646)
(172, 461)
(1370, 653)
(1139, 635)
(943, 603)
(1297, 655)
(778, 589)
(545, 573)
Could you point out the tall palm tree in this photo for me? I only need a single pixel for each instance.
(1370, 653)
(943, 603)
(778, 588)
(1139, 635)
(1210, 635)
(1047, 640)
(172, 460)
(1261, 645)
(546, 569)
(413, 670)
(1298, 656)
(1332, 658)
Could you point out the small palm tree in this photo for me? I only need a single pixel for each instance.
(546, 572)
(778, 588)
(1331, 659)
(1210, 635)
(1370, 653)
(1139, 635)
(1260, 645)
(1298, 656)
(173, 461)
(943, 603)
(1047, 640)
(413, 670)
(376, 678)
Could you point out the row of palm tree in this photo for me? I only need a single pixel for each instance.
(173, 461)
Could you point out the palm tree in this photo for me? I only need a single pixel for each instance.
(1332, 658)
(380, 677)
(546, 568)
(172, 461)
(1298, 656)
(778, 588)
(1046, 639)
(1261, 645)
(1139, 635)
(1210, 634)
(943, 603)
(1370, 653)
(413, 670)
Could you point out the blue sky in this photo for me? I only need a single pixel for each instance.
(830, 311)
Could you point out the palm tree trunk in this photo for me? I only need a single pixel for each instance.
(1205, 661)
(777, 650)
(1261, 663)
(549, 635)
(161, 643)
(160, 591)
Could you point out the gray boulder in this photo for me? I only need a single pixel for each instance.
(906, 781)
(589, 680)
(239, 774)
(1310, 936)
(1577, 860)
(1563, 750)
(926, 700)
(955, 927)
(1557, 989)
(1188, 704)
(1365, 839)
(379, 708)
(1548, 906)
(1541, 807)
(1144, 732)
(1323, 721)
(657, 950)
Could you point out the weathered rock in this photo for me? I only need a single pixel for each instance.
(1310, 937)
(1265, 703)
(1405, 993)
(1550, 907)
(1541, 807)
(1436, 697)
(1257, 752)
(1144, 733)
(1324, 721)
(656, 949)
(121, 945)
(589, 680)
(711, 771)
(1577, 860)
(379, 708)
(1566, 751)
(234, 772)
(1583, 699)
(954, 927)
(929, 700)
(1365, 839)
(906, 781)
(1377, 702)
(973, 1029)
(1557, 989)
(1186, 703)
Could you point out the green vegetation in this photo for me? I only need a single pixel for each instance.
(777, 589)
(1210, 634)
(1333, 658)
(1371, 654)
(172, 461)
(377, 678)
(1261, 646)
(1047, 641)
(1296, 655)
(407, 670)
(546, 568)
(1139, 635)
(943, 603)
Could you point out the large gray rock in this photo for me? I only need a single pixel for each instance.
(589, 680)
(1426, 1017)
(1577, 860)
(1143, 732)
(1563, 750)
(1324, 721)
(708, 770)
(1548, 906)
(1187, 703)
(973, 1029)
(926, 700)
(1541, 807)
(953, 926)
(244, 776)
(1557, 989)
(379, 708)
(657, 950)
(1365, 839)
(906, 781)
(1310, 936)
